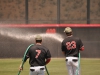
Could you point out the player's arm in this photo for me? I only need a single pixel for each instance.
(64, 53)
(48, 57)
(26, 56)
(63, 48)
(48, 60)
(81, 45)
(82, 48)
(21, 67)
(23, 61)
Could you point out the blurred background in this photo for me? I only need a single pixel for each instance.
(49, 11)
(22, 20)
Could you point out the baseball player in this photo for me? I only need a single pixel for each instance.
(70, 47)
(39, 56)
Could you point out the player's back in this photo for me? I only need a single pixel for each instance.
(38, 54)
(71, 46)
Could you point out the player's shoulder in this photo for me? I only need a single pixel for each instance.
(72, 38)
(66, 38)
(44, 47)
(77, 38)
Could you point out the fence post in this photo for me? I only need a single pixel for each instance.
(88, 11)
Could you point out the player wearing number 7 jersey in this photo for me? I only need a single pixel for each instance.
(70, 47)
(38, 56)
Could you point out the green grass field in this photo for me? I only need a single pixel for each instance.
(57, 66)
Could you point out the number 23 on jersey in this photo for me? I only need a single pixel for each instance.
(71, 45)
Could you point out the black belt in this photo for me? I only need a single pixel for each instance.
(75, 60)
(34, 69)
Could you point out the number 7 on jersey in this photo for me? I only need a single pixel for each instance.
(38, 53)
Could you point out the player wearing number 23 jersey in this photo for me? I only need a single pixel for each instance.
(38, 56)
(70, 47)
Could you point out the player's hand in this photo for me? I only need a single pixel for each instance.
(20, 68)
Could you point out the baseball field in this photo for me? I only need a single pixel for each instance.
(57, 66)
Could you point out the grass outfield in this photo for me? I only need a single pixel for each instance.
(57, 66)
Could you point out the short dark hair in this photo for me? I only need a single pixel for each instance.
(68, 34)
(38, 41)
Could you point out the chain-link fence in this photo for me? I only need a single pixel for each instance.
(49, 11)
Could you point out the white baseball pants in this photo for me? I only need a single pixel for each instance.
(37, 70)
(72, 65)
